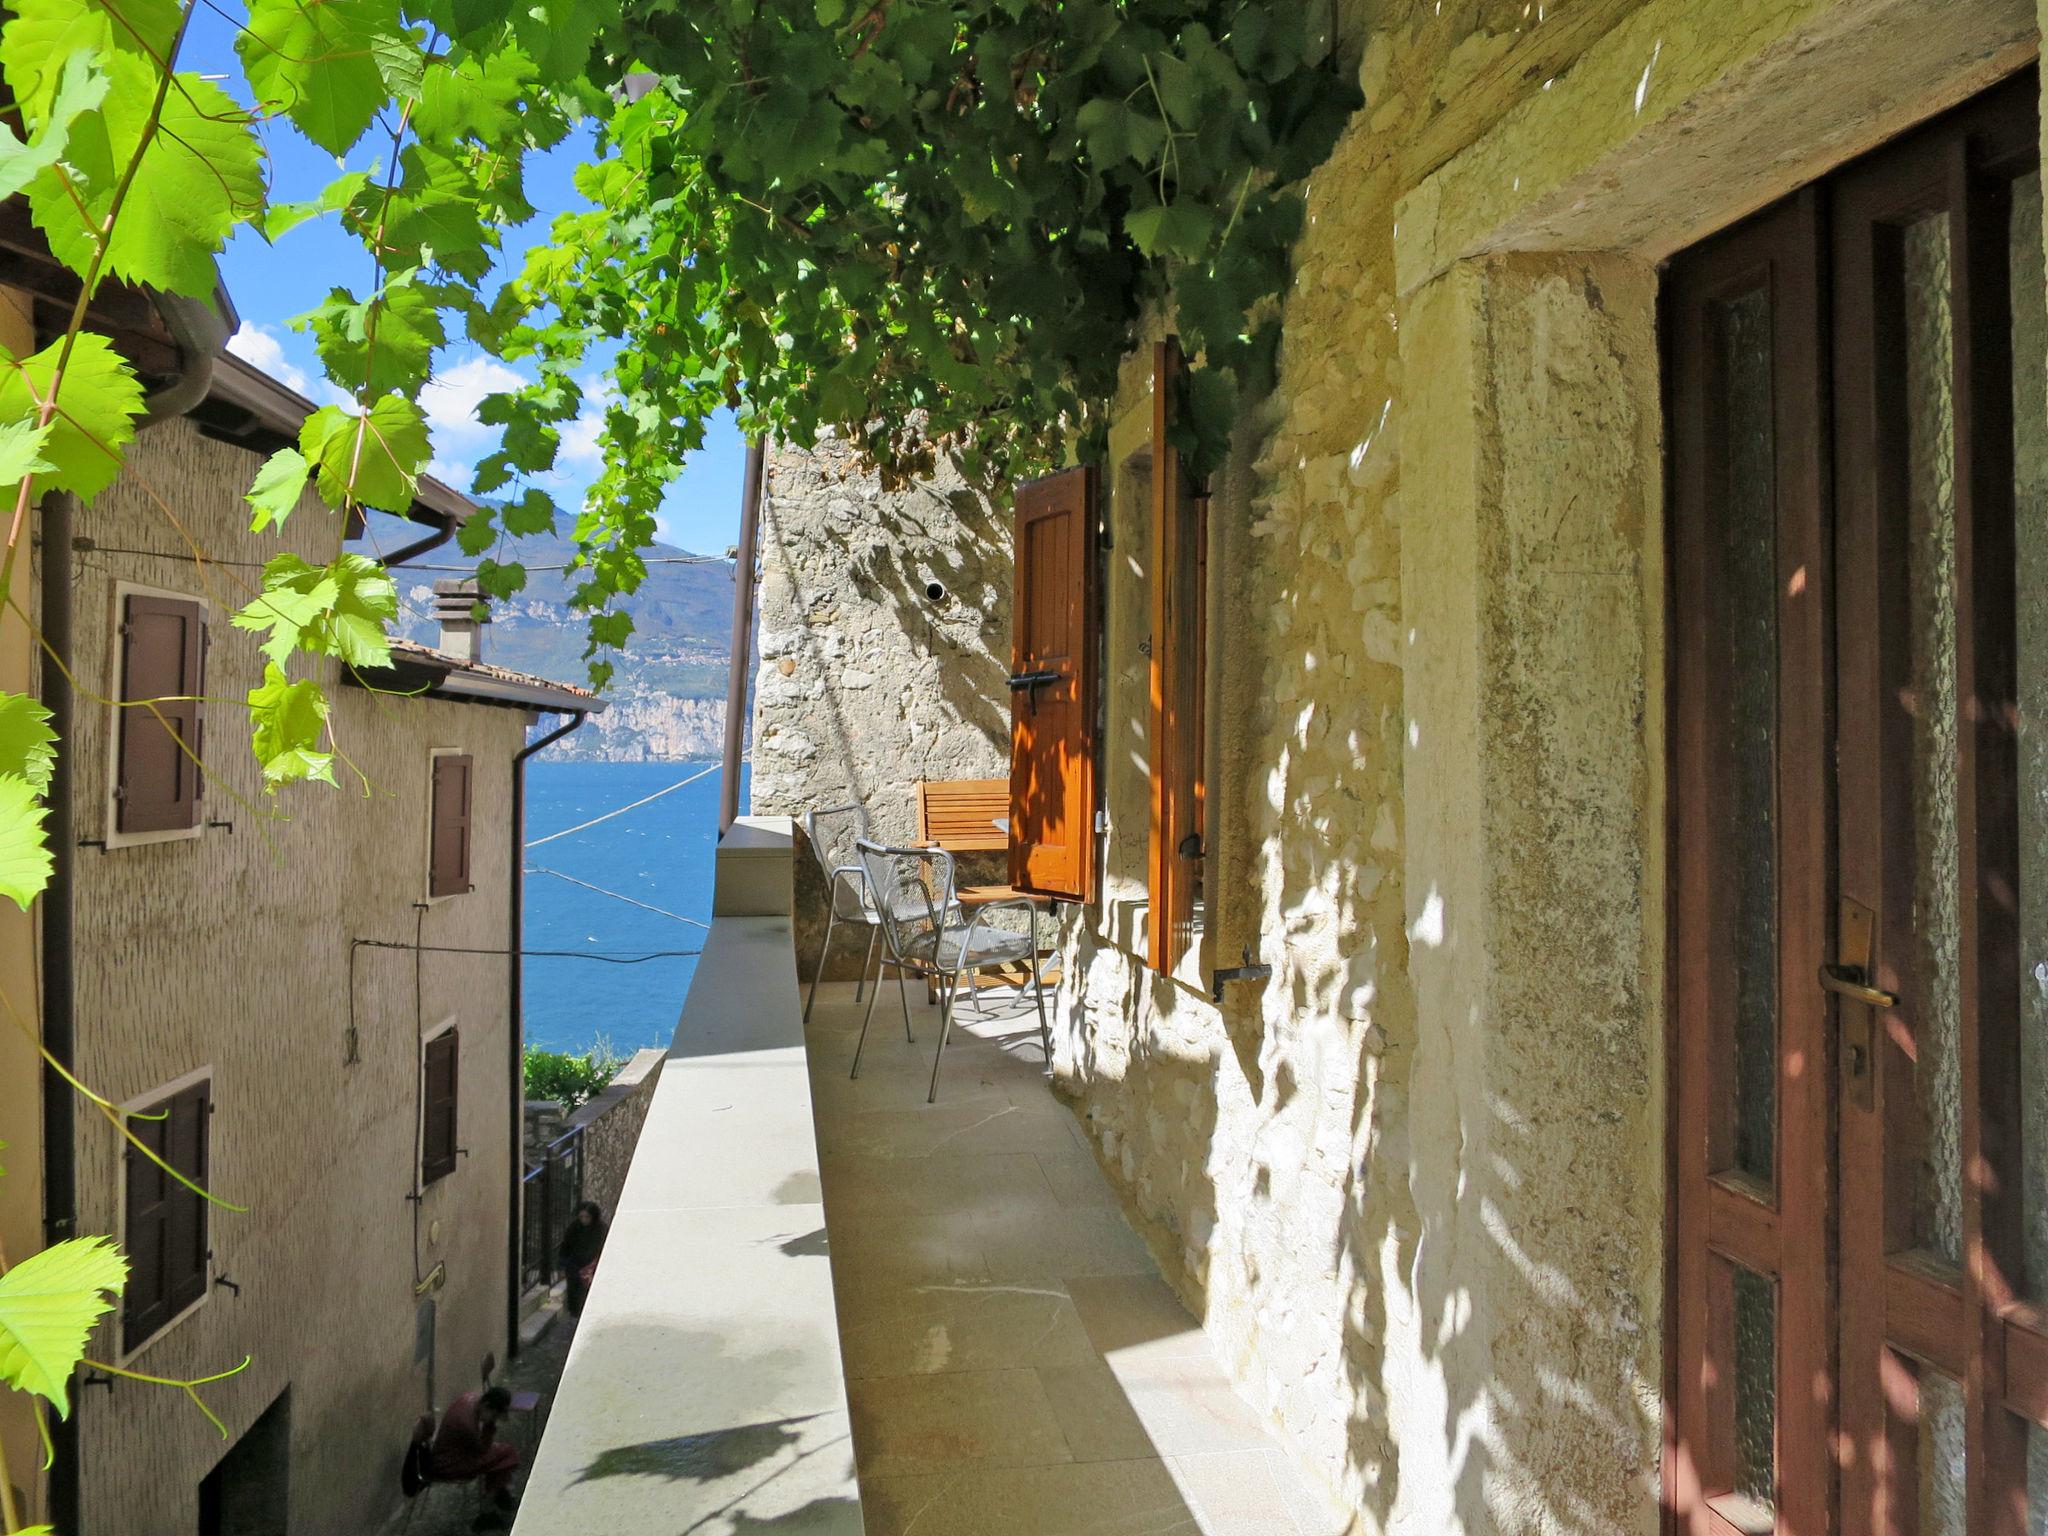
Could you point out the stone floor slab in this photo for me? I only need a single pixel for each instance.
(937, 1423)
(1128, 1498)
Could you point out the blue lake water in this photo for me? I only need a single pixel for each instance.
(660, 854)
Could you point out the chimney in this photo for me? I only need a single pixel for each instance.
(455, 607)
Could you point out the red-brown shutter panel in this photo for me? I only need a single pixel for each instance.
(157, 781)
(448, 870)
(164, 1229)
(1052, 688)
(438, 1143)
(1178, 527)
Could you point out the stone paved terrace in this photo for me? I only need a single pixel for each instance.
(830, 1309)
(1015, 1365)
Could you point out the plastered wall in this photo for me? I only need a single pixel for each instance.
(230, 952)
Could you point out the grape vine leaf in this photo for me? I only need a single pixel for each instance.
(97, 404)
(277, 488)
(318, 63)
(21, 452)
(81, 88)
(24, 863)
(335, 610)
(199, 175)
(286, 719)
(27, 744)
(371, 460)
(48, 1304)
(44, 36)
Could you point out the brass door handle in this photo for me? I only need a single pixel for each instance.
(1847, 981)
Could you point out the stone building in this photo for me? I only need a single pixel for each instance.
(309, 998)
(1642, 532)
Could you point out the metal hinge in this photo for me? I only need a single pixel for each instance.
(1102, 821)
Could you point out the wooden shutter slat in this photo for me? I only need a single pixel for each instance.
(1175, 747)
(449, 838)
(162, 648)
(438, 1141)
(1051, 791)
(165, 1232)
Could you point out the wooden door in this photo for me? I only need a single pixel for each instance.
(1859, 689)
(1751, 1296)
(1938, 290)
(1052, 688)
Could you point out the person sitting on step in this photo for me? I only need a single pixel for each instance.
(467, 1446)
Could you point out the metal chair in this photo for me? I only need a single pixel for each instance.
(834, 834)
(925, 931)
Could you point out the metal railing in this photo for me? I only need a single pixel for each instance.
(553, 1188)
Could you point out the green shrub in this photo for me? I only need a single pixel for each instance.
(568, 1077)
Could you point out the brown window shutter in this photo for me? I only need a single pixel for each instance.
(163, 647)
(1053, 649)
(165, 1228)
(438, 1145)
(448, 870)
(1179, 526)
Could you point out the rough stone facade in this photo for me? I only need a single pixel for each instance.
(611, 1125)
(1415, 1184)
(867, 683)
(230, 952)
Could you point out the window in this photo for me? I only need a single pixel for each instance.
(164, 1227)
(437, 1110)
(1052, 688)
(162, 654)
(1180, 528)
(448, 841)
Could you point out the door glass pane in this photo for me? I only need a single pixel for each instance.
(1934, 996)
(2030, 507)
(1747, 639)
(1756, 1394)
(1942, 1509)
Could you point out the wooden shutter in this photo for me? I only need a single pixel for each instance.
(448, 871)
(1052, 688)
(165, 1226)
(1179, 526)
(163, 648)
(437, 1146)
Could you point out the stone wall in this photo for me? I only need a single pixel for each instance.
(611, 1126)
(867, 683)
(1414, 1185)
(230, 952)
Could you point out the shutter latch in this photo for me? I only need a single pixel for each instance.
(1028, 684)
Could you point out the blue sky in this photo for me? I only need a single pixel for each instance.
(271, 284)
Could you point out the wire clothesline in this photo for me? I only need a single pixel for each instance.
(608, 815)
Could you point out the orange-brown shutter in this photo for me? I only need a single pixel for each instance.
(1178, 524)
(1052, 688)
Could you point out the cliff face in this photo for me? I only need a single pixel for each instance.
(667, 696)
(649, 727)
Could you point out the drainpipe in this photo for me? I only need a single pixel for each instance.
(415, 550)
(60, 1150)
(199, 333)
(516, 1033)
(742, 638)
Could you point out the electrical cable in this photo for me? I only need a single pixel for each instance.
(541, 869)
(608, 815)
(549, 954)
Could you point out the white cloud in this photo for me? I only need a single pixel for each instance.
(451, 397)
(258, 344)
